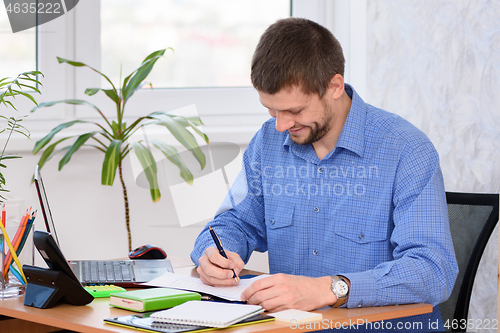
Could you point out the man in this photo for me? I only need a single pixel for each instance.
(347, 199)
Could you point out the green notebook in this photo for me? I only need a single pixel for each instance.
(151, 299)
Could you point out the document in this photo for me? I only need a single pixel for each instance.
(177, 281)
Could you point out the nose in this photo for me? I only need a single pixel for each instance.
(284, 121)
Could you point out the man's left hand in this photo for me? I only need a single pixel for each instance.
(281, 292)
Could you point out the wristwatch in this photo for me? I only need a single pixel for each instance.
(341, 289)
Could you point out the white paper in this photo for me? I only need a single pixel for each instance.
(177, 281)
(298, 316)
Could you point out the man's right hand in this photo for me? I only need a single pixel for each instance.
(215, 270)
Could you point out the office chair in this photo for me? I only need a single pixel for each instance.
(472, 220)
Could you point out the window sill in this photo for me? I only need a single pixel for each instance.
(240, 135)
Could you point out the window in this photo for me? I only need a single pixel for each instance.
(213, 41)
(227, 103)
(17, 51)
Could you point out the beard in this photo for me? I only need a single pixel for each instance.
(317, 130)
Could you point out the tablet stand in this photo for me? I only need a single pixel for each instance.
(45, 288)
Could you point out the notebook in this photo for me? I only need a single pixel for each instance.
(143, 322)
(125, 273)
(151, 299)
(206, 313)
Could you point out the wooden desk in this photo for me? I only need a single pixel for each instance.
(89, 318)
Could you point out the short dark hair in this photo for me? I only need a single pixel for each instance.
(296, 52)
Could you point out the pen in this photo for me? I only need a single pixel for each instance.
(218, 243)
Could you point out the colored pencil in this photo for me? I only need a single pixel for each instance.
(16, 273)
(4, 214)
(12, 251)
(21, 246)
(26, 233)
(15, 241)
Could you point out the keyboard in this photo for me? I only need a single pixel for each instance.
(116, 271)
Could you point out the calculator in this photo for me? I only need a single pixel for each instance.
(104, 290)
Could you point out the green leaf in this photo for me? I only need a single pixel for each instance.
(195, 120)
(81, 64)
(32, 73)
(30, 87)
(149, 165)
(112, 94)
(76, 145)
(27, 96)
(109, 92)
(125, 81)
(66, 101)
(111, 161)
(70, 62)
(47, 153)
(8, 157)
(91, 91)
(115, 127)
(182, 135)
(8, 102)
(46, 139)
(200, 133)
(77, 102)
(141, 73)
(173, 156)
(184, 121)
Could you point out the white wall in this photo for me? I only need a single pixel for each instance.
(437, 64)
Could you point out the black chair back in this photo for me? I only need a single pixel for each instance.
(472, 220)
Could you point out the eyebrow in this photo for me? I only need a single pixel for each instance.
(296, 109)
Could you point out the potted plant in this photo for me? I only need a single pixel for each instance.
(9, 89)
(112, 136)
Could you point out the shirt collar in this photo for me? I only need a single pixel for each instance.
(352, 136)
(353, 132)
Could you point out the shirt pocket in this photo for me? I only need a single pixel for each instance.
(280, 217)
(363, 232)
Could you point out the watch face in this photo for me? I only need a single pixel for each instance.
(340, 288)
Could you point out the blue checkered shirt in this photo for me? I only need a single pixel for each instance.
(373, 210)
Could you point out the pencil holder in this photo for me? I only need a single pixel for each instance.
(20, 236)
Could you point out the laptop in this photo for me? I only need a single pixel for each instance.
(125, 273)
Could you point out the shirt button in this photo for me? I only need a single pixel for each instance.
(315, 252)
(361, 236)
(316, 209)
(272, 221)
(320, 170)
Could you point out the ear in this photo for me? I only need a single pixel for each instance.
(336, 86)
